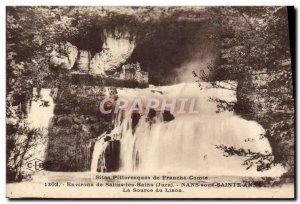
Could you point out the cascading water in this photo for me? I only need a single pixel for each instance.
(99, 149)
(187, 143)
(39, 114)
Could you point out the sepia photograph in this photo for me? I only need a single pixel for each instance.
(150, 102)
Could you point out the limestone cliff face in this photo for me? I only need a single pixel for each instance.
(97, 65)
(83, 61)
(117, 48)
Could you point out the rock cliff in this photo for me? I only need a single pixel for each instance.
(76, 122)
(117, 48)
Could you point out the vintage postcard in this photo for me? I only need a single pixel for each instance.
(150, 102)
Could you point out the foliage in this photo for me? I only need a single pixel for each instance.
(261, 161)
(223, 105)
(255, 53)
(21, 139)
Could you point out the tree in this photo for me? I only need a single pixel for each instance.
(255, 61)
(27, 65)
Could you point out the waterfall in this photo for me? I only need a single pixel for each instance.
(188, 142)
(40, 114)
(98, 154)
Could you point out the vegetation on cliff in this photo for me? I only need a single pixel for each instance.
(255, 52)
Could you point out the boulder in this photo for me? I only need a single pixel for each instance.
(110, 157)
(168, 116)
